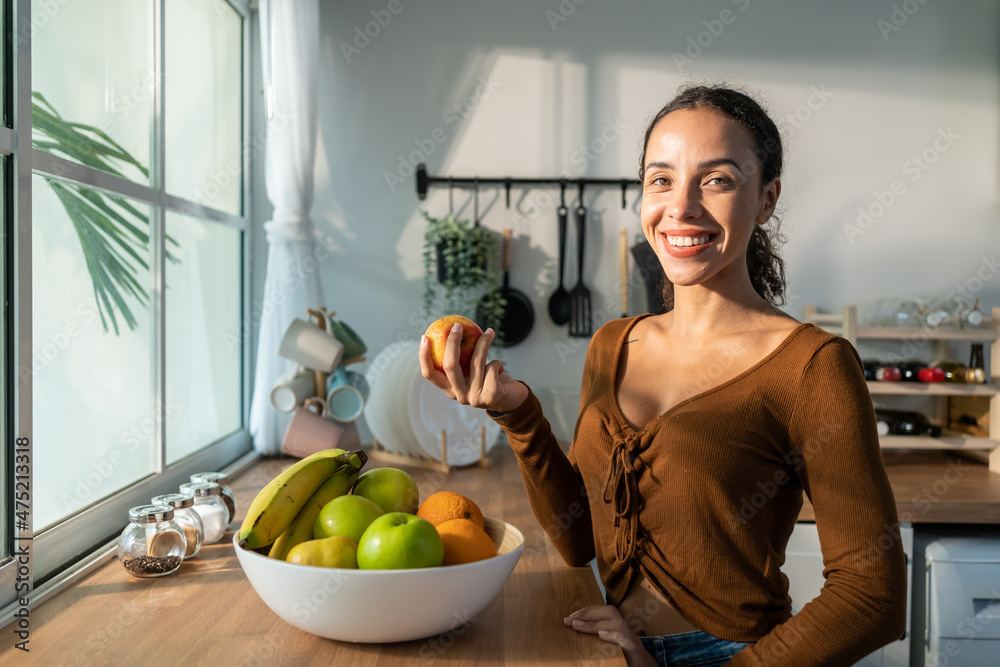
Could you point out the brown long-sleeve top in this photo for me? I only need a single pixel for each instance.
(703, 499)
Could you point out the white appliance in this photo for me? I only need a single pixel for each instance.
(962, 601)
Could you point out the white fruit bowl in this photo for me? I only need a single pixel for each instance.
(376, 606)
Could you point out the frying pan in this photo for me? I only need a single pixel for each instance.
(652, 271)
(518, 315)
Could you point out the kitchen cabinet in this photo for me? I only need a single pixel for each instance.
(986, 449)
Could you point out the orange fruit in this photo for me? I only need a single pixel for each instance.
(465, 542)
(446, 505)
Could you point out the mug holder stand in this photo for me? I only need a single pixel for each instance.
(380, 453)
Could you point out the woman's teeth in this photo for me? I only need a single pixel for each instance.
(687, 240)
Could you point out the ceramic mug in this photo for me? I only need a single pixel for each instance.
(353, 345)
(309, 432)
(312, 347)
(346, 394)
(292, 389)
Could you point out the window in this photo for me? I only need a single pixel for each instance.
(136, 229)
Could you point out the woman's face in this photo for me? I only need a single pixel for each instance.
(702, 196)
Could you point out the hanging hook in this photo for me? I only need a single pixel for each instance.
(506, 185)
(451, 195)
(562, 194)
(624, 186)
(636, 205)
(580, 184)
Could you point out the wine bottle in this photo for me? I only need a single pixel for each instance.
(976, 373)
(954, 371)
(904, 422)
(910, 370)
(930, 374)
(880, 371)
(888, 373)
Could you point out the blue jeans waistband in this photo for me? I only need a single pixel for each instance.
(691, 649)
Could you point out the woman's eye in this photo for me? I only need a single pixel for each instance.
(659, 180)
(721, 180)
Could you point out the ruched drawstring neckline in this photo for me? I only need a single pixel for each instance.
(621, 490)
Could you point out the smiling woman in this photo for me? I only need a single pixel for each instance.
(685, 415)
(760, 152)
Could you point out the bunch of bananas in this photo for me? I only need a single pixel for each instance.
(283, 513)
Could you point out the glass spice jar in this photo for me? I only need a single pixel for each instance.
(152, 544)
(209, 504)
(222, 479)
(187, 518)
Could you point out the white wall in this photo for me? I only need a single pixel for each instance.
(555, 86)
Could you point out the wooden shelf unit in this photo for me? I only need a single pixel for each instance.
(845, 323)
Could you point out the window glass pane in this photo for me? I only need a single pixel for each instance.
(203, 86)
(204, 346)
(91, 63)
(94, 425)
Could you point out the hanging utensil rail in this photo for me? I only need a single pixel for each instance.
(425, 181)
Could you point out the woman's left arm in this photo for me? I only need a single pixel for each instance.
(862, 605)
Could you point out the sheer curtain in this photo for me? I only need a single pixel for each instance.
(290, 51)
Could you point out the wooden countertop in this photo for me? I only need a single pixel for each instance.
(207, 613)
(938, 487)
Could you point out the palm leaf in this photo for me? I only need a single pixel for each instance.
(114, 235)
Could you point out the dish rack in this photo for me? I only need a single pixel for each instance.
(379, 452)
(982, 446)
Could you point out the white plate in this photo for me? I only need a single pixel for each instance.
(378, 408)
(401, 379)
(431, 411)
(373, 407)
(412, 380)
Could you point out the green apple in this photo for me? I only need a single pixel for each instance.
(391, 489)
(347, 516)
(398, 541)
(337, 551)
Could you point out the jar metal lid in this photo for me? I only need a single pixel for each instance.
(151, 513)
(201, 489)
(176, 500)
(217, 477)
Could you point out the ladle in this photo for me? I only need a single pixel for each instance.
(560, 301)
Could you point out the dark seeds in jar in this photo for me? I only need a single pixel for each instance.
(145, 566)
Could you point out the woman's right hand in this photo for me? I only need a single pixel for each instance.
(488, 385)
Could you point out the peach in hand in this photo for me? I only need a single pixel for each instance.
(437, 333)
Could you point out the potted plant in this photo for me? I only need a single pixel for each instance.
(460, 269)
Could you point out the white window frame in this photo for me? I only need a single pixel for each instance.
(69, 549)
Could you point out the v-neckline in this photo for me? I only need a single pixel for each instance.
(618, 359)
